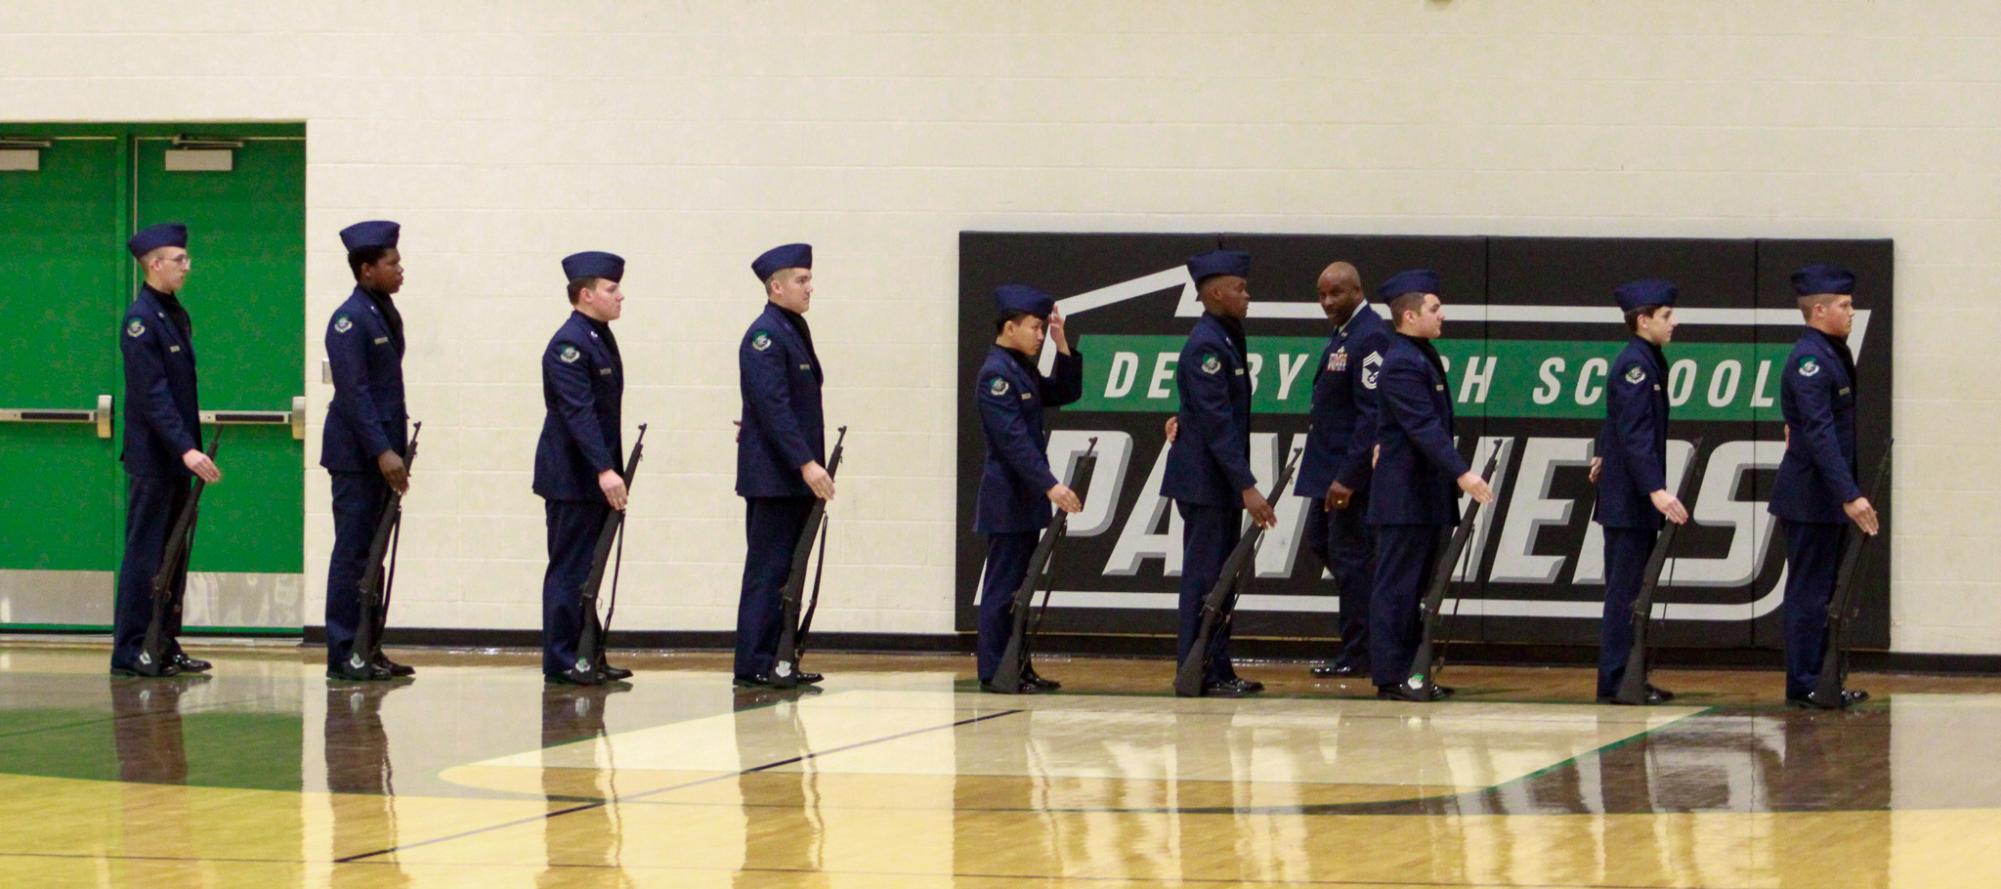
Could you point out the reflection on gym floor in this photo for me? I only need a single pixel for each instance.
(897, 774)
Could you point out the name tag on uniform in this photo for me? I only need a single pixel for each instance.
(1240, 371)
(1438, 388)
(172, 349)
(381, 340)
(805, 367)
(604, 371)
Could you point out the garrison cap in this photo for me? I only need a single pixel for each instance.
(593, 264)
(784, 256)
(1408, 281)
(153, 237)
(374, 233)
(1822, 278)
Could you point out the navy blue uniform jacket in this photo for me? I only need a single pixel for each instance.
(583, 382)
(1416, 481)
(783, 428)
(1633, 444)
(162, 416)
(1817, 397)
(1209, 463)
(367, 415)
(1011, 395)
(1343, 435)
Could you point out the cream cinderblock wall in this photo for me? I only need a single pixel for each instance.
(689, 136)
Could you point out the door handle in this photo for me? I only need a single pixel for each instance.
(100, 416)
(295, 418)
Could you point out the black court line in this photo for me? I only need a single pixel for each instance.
(877, 873)
(697, 783)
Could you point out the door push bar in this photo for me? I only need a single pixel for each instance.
(100, 417)
(295, 418)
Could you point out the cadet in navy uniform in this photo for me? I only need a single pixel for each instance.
(162, 444)
(579, 461)
(1209, 461)
(367, 432)
(1412, 497)
(1816, 494)
(780, 448)
(1335, 469)
(1630, 470)
(1016, 486)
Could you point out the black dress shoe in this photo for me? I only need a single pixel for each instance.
(1654, 697)
(1233, 687)
(1027, 688)
(1849, 698)
(805, 678)
(572, 677)
(1338, 671)
(1403, 692)
(1040, 683)
(364, 673)
(394, 668)
(755, 680)
(187, 664)
(164, 671)
(614, 673)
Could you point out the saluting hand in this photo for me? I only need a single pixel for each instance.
(394, 471)
(613, 486)
(1473, 484)
(1597, 464)
(199, 464)
(1670, 506)
(1065, 499)
(817, 478)
(1261, 512)
(1056, 332)
(1173, 428)
(1862, 514)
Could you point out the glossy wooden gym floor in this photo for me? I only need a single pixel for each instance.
(899, 774)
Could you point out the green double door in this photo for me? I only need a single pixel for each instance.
(70, 196)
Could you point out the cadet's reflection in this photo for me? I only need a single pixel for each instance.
(147, 728)
(783, 830)
(362, 781)
(584, 845)
(153, 764)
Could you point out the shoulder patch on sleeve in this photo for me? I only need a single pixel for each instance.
(1210, 363)
(1809, 366)
(1636, 375)
(342, 323)
(135, 328)
(760, 341)
(997, 387)
(568, 354)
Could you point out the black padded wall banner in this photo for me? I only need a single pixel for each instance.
(1530, 331)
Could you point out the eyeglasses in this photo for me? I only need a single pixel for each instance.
(181, 260)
